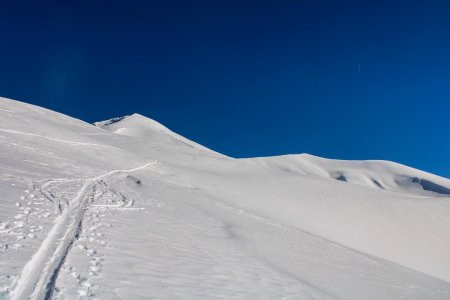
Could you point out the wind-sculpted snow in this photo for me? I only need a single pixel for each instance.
(428, 185)
(128, 209)
(378, 174)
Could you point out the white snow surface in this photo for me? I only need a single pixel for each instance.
(128, 209)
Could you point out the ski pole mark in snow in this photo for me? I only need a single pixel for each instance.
(56, 140)
(39, 274)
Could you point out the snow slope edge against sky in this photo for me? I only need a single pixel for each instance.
(374, 223)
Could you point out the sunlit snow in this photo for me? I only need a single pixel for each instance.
(127, 209)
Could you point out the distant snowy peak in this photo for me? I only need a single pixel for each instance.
(146, 129)
(377, 174)
(134, 125)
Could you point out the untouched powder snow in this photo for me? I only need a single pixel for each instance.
(128, 209)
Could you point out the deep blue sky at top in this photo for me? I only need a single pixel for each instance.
(339, 79)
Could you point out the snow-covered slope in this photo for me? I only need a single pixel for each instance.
(128, 209)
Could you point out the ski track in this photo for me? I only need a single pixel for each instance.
(39, 274)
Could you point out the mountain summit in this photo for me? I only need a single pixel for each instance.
(128, 209)
(146, 129)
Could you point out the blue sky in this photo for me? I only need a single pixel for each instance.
(339, 79)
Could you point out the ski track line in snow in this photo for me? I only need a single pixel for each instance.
(57, 140)
(39, 274)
